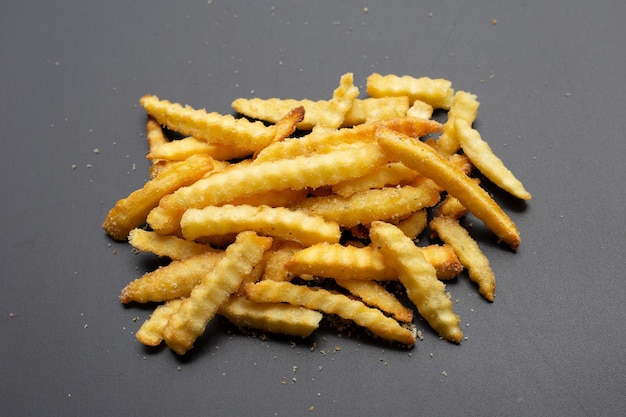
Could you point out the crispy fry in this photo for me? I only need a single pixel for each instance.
(271, 317)
(174, 280)
(181, 149)
(277, 222)
(392, 173)
(155, 138)
(419, 278)
(340, 103)
(451, 207)
(464, 107)
(276, 258)
(428, 162)
(189, 322)
(436, 92)
(375, 295)
(132, 211)
(420, 110)
(169, 246)
(367, 206)
(151, 331)
(450, 231)
(330, 303)
(414, 224)
(483, 158)
(297, 174)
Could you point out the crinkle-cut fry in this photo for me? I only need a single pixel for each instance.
(451, 207)
(419, 279)
(287, 125)
(414, 224)
(189, 322)
(452, 233)
(323, 140)
(279, 222)
(211, 127)
(275, 318)
(464, 107)
(155, 138)
(420, 110)
(151, 331)
(277, 257)
(392, 173)
(131, 212)
(375, 295)
(181, 149)
(461, 162)
(299, 173)
(343, 97)
(428, 162)
(362, 110)
(177, 279)
(168, 246)
(483, 158)
(436, 92)
(365, 263)
(272, 198)
(367, 206)
(326, 302)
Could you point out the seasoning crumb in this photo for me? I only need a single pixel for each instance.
(96, 151)
(494, 22)
(311, 408)
(366, 9)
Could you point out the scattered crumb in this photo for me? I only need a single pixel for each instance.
(311, 408)
(366, 9)
(494, 22)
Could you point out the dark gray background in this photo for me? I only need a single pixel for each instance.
(550, 78)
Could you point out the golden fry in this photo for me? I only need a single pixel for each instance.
(132, 211)
(428, 162)
(277, 222)
(435, 92)
(464, 107)
(483, 158)
(169, 246)
(330, 303)
(452, 233)
(189, 322)
(392, 173)
(340, 103)
(419, 278)
(375, 295)
(151, 331)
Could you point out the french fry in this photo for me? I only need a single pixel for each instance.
(414, 224)
(169, 246)
(211, 127)
(331, 303)
(175, 280)
(464, 107)
(181, 149)
(190, 320)
(367, 206)
(392, 173)
(450, 231)
(375, 295)
(276, 222)
(483, 158)
(340, 103)
(151, 331)
(419, 278)
(155, 138)
(271, 317)
(299, 173)
(435, 92)
(133, 210)
(428, 162)
(420, 110)
(276, 258)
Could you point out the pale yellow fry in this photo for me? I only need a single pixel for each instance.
(211, 127)
(177, 279)
(362, 110)
(278, 222)
(343, 97)
(151, 331)
(419, 279)
(131, 212)
(330, 303)
(428, 162)
(483, 158)
(464, 107)
(189, 322)
(172, 247)
(297, 174)
(155, 138)
(323, 140)
(271, 317)
(367, 206)
(436, 92)
(364, 263)
(420, 110)
(375, 295)
(414, 224)
(450, 231)
(277, 257)
(181, 149)
(392, 173)
(451, 207)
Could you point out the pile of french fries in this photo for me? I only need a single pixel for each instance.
(296, 210)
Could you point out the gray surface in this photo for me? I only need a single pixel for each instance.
(551, 84)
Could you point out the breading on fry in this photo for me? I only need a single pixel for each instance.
(419, 278)
(435, 92)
